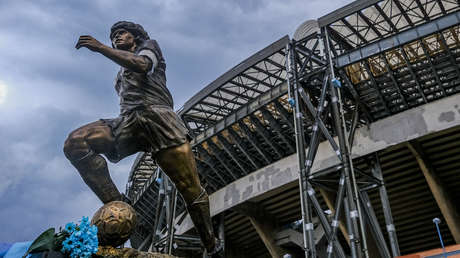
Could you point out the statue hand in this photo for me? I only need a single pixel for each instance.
(89, 42)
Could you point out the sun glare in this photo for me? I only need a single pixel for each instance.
(3, 92)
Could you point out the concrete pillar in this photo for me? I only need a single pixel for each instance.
(265, 225)
(444, 201)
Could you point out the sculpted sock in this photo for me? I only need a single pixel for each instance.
(199, 213)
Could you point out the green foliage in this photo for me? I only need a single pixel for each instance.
(78, 241)
(44, 242)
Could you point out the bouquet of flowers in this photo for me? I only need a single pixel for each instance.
(75, 240)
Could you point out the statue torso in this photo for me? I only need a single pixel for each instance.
(139, 90)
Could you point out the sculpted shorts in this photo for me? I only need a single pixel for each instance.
(152, 129)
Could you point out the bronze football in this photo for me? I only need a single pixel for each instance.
(115, 222)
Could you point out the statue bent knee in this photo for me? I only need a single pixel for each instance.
(91, 166)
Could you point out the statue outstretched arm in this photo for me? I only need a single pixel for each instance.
(127, 59)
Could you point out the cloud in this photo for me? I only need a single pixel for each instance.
(38, 186)
(54, 88)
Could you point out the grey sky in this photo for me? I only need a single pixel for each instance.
(52, 88)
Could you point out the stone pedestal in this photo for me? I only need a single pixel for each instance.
(111, 252)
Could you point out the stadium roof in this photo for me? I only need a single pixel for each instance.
(237, 87)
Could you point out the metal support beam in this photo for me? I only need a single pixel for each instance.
(390, 227)
(232, 153)
(255, 143)
(414, 76)
(441, 6)
(374, 226)
(275, 63)
(209, 112)
(400, 39)
(236, 94)
(257, 81)
(284, 114)
(262, 131)
(451, 56)
(206, 103)
(172, 215)
(277, 127)
(393, 80)
(345, 11)
(268, 74)
(158, 213)
(207, 157)
(242, 112)
(236, 139)
(210, 181)
(364, 108)
(329, 199)
(162, 234)
(218, 154)
(376, 87)
(324, 222)
(349, 181)
(370, 24)
(386, 18)
(426, 17)
(445, 203)
(310, 56)
(241, 85)
(307, 225)
(340, 40)
(225, 100)
(403, 12)
(352, 29)
(433, 68)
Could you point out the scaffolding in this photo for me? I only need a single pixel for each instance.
(329, 113)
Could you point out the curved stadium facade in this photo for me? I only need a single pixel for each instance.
(401, 60)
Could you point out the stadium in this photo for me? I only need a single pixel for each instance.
(342, 140)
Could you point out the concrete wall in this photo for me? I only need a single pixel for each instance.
(405, 126)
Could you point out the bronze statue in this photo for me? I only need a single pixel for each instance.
(147, 122)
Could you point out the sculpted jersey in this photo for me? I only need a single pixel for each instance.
(139, 90)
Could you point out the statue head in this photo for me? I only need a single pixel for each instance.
(136, 30)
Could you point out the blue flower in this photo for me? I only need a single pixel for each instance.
(67, 244)
(82, 242)
(84, 222)
(70, 227)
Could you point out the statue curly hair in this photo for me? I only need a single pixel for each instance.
(136, 29)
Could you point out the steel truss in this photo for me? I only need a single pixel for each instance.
(162, 234)
(156, 225)
(331, 112)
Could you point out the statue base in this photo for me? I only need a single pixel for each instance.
(112, 252)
